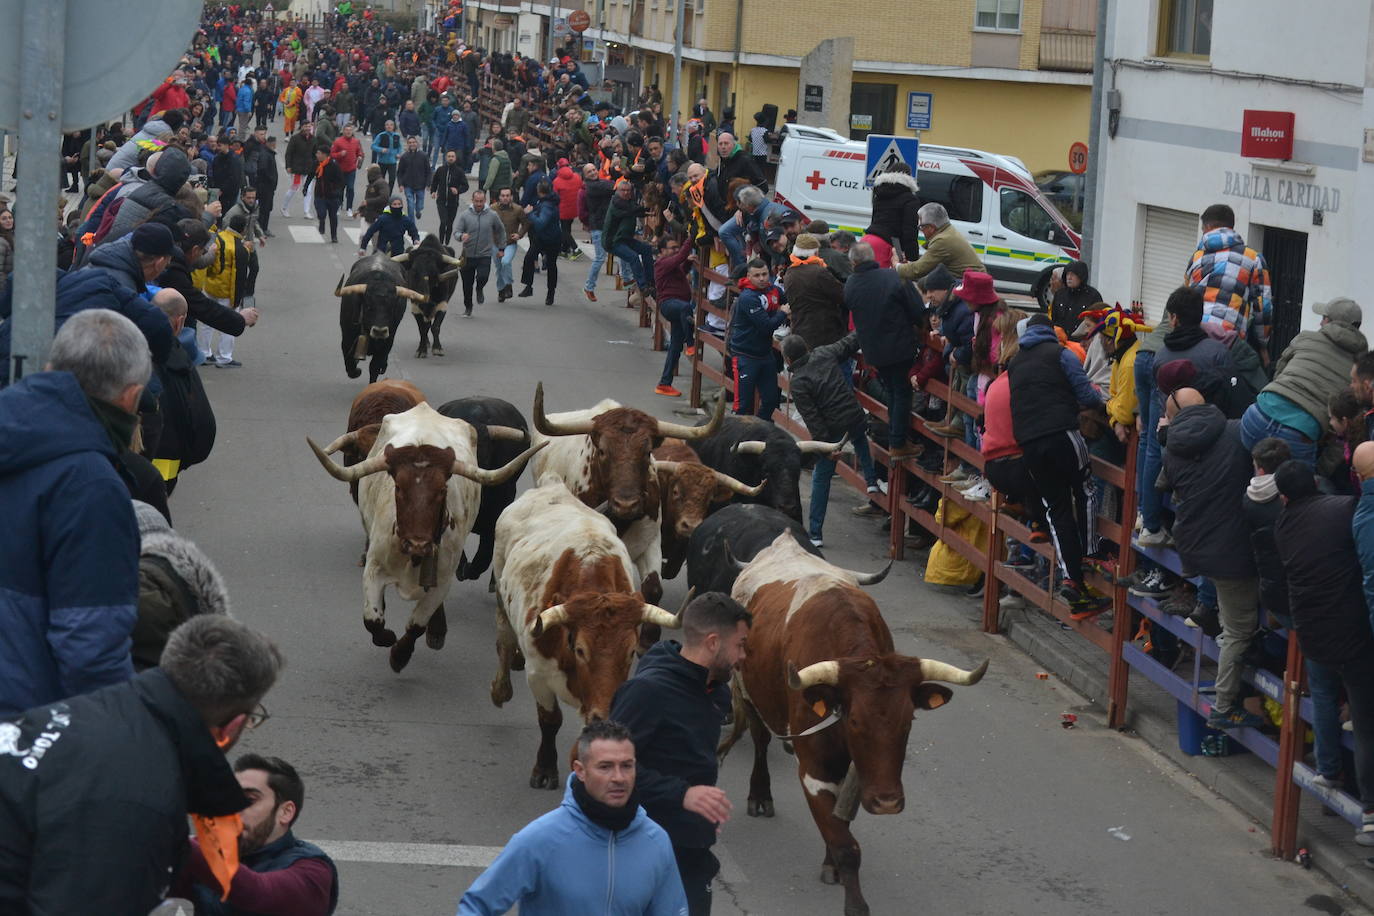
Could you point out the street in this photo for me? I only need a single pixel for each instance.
(414, 781)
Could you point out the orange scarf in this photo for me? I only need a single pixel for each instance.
(319, 169)
(219, 844)
(811, 260)
(696, 193)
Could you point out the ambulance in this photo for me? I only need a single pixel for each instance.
(991, 199)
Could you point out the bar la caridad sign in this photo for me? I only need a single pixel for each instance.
(1285, 191)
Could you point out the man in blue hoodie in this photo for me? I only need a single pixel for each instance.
(674, 707)
(69, 584)
(443, 116)
(759, 311)
(597, 852)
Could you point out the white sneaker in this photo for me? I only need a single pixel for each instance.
(879, 487)
(979, 492)
(817, 543)
(1158, 538)
(350, 214)
(284, 214)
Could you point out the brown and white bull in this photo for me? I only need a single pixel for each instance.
(369, 408)
(689, 491)
(822, 672)
(604, 455)
(418, 493)
(567, 610)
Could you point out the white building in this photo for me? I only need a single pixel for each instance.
(1180, 76)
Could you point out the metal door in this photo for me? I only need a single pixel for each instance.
(872, 104)
(1285, 254)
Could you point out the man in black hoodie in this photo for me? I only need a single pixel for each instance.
(1074, 297)
(674, 707)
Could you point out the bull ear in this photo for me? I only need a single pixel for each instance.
(823, 699)
(367, 437)
(930, 696)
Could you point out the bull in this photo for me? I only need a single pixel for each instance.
(756, 451)
(493, 451)
(689, 491)
(418, 495)
(432, 270)
(567, 610)
(604, 455)
(739, 531)
(370, 309)
(368, 410)
(822, 671)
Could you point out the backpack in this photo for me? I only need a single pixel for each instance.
(188, 420)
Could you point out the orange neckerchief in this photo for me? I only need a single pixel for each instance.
(811, 260)
(319, 169)
(697, 193)
(219, 844)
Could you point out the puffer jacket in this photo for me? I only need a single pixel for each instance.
(894, 212)
(176, 581)
(821, 392)
(1209, 469)
(885, 314)
(544, 227)
(567, 184)
(1048, 386)
(155, 200)
(1325, 591)
(1316, 366)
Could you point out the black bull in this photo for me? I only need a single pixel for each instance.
(371, 302)
(431, 270)
(482, 412)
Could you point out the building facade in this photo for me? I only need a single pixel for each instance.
(1250, 104)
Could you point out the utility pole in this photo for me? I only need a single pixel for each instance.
(601, 31)
(675, 123)
(1096, 148)
(553, 11)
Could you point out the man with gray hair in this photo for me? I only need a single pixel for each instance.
(754, 211)
(107, 779)
(944, 245)
(69, 584)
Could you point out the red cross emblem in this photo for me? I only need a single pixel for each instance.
(815, 180)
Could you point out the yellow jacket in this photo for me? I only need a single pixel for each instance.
(1121, 402)
(220, 279)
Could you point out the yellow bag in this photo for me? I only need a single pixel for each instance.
(946, 565)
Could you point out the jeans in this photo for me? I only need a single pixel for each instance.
(1324, 683)
(427, 141)
(415, 203)
(505, 266)
(732, 236)
(894, 381)
(756, 374)
(1147, 457)
(598, 261)
(970, 427)
(474, 274)
(1255, 425)
(825, 470)
(348, 178)
(1238, 604)
(679, 315)
(640, 257)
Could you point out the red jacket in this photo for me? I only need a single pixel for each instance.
(347, 152)
(670, 276)
(169, 95)
(930, 364)
(567, 184)
(231, 95)
(998, 441)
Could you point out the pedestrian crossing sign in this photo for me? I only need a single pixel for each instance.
(885, 152)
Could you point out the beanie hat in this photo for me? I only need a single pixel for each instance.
(806, 245)
(154, 239)
(818, 227)
(939, 278)
(149, 519)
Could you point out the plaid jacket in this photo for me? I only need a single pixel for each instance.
(1234, 283)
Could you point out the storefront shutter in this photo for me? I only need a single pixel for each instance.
(1170, 240)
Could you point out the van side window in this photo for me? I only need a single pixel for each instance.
(962, 196)
(1023, 215)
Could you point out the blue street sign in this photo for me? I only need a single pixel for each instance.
(885, 152)
(918, 106)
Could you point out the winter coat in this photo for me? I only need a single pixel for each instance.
(817, 302)
(155, 200)
(1209, 469)
(738, 164)
(69, 583)
(1315, 366)
(1325, 582)
(998, 441)
(752, 323)
(329, 183)
(567, 184)
(199, 307)
(391, 229)
(344, 102)
(513, 219)
(449, 176)
(1048, 386)
(672, 279)
(1233, 281)
(1262, 508)
(597, 196)
(347, 153)
(1363, 529)
(619, 227)
(1069, 303)
(376, 196)
(821, 392)
(106, 779)
(454, 136)
(264, 172)
(485, 231)
(412, 170)
(386, 147)
(528, 190)
(1122, 402)
(544, 226)
(243, 101)
(176, 581)
(885, 313)
(948, 247)
(894, 212)
(408, 123)
(956, 326)
(674, 714)
(564, 864)
(300, 153)
(498, 174)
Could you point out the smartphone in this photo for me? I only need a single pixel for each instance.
(212, 195)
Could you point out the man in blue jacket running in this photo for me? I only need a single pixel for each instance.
(597, 854)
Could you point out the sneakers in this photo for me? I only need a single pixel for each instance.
(481, 299)
(817, 543)
(690, 350)
(1158, 538)
(1365, 834)
(1206, 618)
(879, 487)
(590, 294)
(228, 364)
(1331, 783)
(1020, 562)
(981, 491)
(1240, 718)
(976, 589)
(868, 510)
(1151, 585)
(958, 476)
(1012, 602)
(1082, 601)
(906, 450)
(668, 391)
(1180, 601)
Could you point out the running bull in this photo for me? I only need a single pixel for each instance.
(431, 270)
(371, 303)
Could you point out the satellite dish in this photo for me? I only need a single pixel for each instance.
(116, 54)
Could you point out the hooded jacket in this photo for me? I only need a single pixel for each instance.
(567, 184)
(1316, 366)
(1048, 386)
(821, 392)
(564, 864)
(817, 301)
(155, 200)
(1325, 587)
(894, 212)
(885, 313)
(1209, 469)
(391, 229)
(544, 225)
(69, 583)
(1234, 283)
(176, 581)
(111, 791)
(1069, 303)
(675, 715)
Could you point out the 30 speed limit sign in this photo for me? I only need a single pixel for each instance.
(1078, 158)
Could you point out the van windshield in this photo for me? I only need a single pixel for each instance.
(961, 195)
(1024, 215)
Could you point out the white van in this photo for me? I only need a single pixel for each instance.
(991, 199)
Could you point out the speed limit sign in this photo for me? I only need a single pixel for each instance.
(1078, 158)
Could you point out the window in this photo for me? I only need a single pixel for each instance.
(1004, 15)
(961, 196)
(1023, 215)
(1185, 28)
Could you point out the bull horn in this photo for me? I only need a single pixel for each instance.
(735, 562)
(338, 286)
(932, 670)
(407, 293)
(349, 474)
(452, 261)
(678, 431)
(739, 486)
(748, 447)
(811, 675)
(449, 275)
(668, 467)
(812, 446)
(506, 434)
(871, 578)
(656, 615)
(344, 441)
(401, 258)
(548, 618)
(548, 427)
(604, 508)
(500, 475)
(351, 289)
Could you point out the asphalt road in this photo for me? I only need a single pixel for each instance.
(415, 780)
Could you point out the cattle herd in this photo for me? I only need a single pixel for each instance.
(621, 500)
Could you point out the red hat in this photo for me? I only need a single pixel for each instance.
(562, 162)
(976, 288)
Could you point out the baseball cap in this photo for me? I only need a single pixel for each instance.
(1342, 309)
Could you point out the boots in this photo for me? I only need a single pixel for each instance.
(526, 291)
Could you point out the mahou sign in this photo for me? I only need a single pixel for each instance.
(1267, 134)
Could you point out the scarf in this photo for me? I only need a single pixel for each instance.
(808, 260)
(602, 814)
(1263, 489)
(118, 425)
